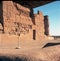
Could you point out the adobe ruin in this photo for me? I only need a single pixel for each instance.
(19, 19)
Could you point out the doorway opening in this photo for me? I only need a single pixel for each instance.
(34, 34)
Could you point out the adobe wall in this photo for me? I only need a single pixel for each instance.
(17, 21)
(8, 41)
(39, 21)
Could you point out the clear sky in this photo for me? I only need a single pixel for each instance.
(53, 11)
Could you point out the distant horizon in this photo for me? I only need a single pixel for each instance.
(53, 12)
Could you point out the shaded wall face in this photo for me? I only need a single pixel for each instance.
(1, 13)
(1, 17)
(46, 25)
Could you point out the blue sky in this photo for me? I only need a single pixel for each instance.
(53, 11)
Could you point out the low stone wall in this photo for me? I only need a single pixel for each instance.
(12, 41)
(7, 41)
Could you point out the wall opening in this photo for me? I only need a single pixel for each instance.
(34, 34)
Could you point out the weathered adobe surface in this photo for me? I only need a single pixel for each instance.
(17, 21)
(16, 15)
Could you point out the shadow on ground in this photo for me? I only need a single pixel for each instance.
(12, 58)
(50, 44)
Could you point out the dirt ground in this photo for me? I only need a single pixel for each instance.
(40, 50)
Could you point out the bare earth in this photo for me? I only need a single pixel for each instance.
(40, 50)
